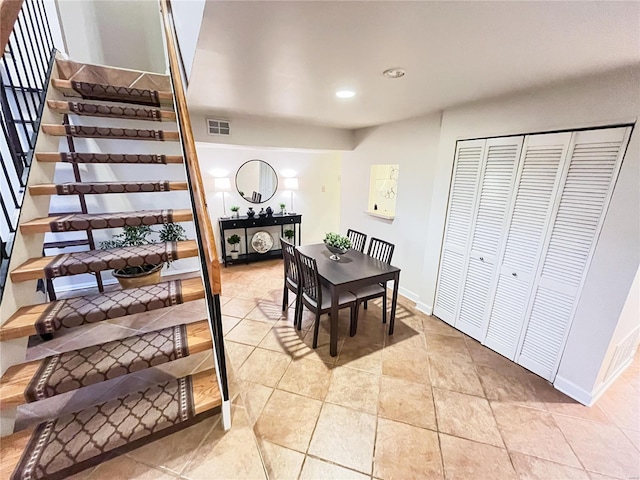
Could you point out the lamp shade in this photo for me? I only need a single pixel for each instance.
(291, 184)
(222, 184)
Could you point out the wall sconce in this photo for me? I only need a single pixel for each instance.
(292, 185)
(222, 185)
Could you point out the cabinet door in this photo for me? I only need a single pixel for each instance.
(589, 175)
(464, 184)
(536, 184)
(494, 199)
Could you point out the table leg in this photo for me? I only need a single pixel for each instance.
(333, 347)
(394, 302)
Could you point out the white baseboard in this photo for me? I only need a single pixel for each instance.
(574, 391)
(424, 308)
(408, 294)
(581, 395)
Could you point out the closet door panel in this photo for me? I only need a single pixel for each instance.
(537, 181)
(462, 198)
(494, 199)
(589, 176)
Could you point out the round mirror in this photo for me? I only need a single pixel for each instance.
(256, 181)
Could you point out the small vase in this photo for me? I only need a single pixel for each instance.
(269, 212)
(262, 213)
(250, 212)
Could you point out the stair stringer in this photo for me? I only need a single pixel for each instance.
(17, 295)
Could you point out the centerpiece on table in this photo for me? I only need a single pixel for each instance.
(336, 244)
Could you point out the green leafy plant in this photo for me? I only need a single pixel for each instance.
(234, 208)
(337, 240)
(282, 206)
(234, 240)
(135, 236)
(289, 234)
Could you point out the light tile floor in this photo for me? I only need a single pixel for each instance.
(428, 402)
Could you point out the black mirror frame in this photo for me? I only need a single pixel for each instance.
(274, 173)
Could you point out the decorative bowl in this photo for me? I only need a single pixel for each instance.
(335, 251)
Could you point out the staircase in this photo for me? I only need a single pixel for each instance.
(67, 442)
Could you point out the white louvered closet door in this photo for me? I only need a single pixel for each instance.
(494, 196)
(466, 171)
(537, 182)
(589, 176)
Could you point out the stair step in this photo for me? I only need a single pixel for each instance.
(112, 133)
(99, 188)
(100, 260)
(72, 312)
(74, 442)
(94, 221)
(66, 243)
(108, 158)
(57, 374)
(111, 111)
(96, 91)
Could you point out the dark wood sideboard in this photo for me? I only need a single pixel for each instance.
(257, 223)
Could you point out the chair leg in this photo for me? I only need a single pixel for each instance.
(316, 328)
(354, 319)
(365, 305)
(384, 306)
(299, 311)
(285, 299)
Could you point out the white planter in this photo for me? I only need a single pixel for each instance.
(234, 255)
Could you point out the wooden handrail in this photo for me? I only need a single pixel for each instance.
(9, 10)
(201, 215)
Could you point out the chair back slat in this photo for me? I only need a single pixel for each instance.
(358, 239)
(381, 250)
(309, 278)
(290, 265)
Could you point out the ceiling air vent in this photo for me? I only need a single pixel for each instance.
(218, 127)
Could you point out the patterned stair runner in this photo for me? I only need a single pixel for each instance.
(95, 221)
(80, 368)
(108, 158)
(76, 311)
(74, 442)
(116, 258)
(95, 91)
(112, 111)
(100, 188)
(110, 133)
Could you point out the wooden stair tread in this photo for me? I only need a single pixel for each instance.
(165, 97)
(51, 157)
(50, 188)
(60, 131)
(22, 323)
(43, 225)
(63, 107)
(33, 269)
(16, 379)
(206, 397)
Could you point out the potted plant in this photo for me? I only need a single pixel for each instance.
(336, 244)
(282, 207)
(234, 241)
(289, 234)
(135, 236)
(235, 209)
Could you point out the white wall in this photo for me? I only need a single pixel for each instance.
(602, 100)
(315, 170)
(118, 33)
(412, 144)
(253, 131)
(187, 18)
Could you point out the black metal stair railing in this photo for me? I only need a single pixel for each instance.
(25, 70)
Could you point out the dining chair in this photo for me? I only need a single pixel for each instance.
(316, 297)
(383, 251)
(291, 277)
(358, 239)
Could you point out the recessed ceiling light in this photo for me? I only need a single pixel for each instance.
(345, 93)
(394, 73)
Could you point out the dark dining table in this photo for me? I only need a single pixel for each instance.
(354, 270)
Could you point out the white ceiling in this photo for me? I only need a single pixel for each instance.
(287, 59)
